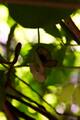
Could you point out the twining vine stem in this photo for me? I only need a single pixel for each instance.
(27, 98)
(34, 91)
(38, 37)
(47, 114)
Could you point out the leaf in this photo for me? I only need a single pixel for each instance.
(37, 16)
(37, 68)
(38, 75)
(69, 58)
(76, 95)
(52, 29)
(66, 94)
(57, 76)
(28, 53)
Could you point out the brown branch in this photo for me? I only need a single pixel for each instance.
(46, 3)
(73, 29)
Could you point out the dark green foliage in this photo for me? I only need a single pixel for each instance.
(32, 16)
(52, 29)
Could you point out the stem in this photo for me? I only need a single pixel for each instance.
(71, 28)
(67, 67)
(18, 66)
(38, 37)
(16, 112)
(8, 44)
(43, 112)
(27, 98)
(34, 91)
(61, 67)
(11, 66)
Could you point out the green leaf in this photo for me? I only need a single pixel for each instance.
(66, 94)
(52, 29)
(76, 95)
(57, 76)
